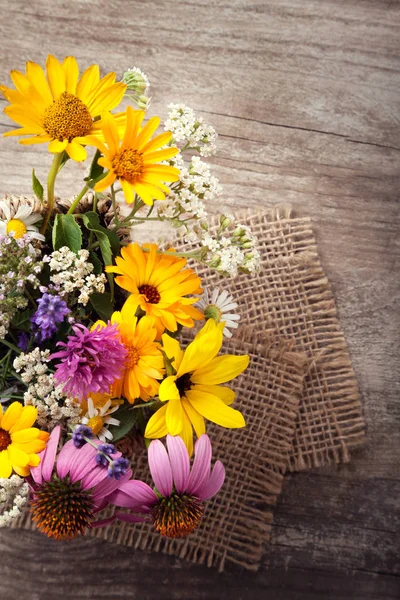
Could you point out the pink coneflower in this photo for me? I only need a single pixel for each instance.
(177, 506)
(91, 362)
(69, 489)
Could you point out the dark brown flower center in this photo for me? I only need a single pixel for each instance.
(5, 439)
(151, 294)
(67, 118)
(177, 515)
(183, 384)
(128, 164)
(61, 509)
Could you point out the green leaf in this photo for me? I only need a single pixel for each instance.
(37, 186)
(91, 222)
(22, 320)
(96, 170)
(66, 232)
(127, 417)
(96, 262)
(103, 305)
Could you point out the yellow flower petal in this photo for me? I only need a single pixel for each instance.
(157, 426)
(172, 349)
(128, 191)
(213, 409)
(71, 70)
(202, 350)
(168, 389)
(221, 369)
(174, 416)
(223, 393)
(5, 465)
(89, 80)
(26, 419)
(187, 434)
(194, 417)
(11, 416)
(55, 76)
(76, 151)
(17, 457)
(56, 146)
(22, 471)
(34, 460)
(25, 435)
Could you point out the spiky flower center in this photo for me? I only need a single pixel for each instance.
(177, 515)
(17, 227)
(67, 118)
(128, 164)
(5, 439)
(183, 384)
(95, 423)
(132, 357)
(151, 294)
(213, 312)
(62, 509)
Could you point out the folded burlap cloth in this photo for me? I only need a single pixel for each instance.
(299, 397)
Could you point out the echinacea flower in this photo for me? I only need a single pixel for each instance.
(194, 393)
(60, 109)
(218, 306)
(134, 161)
(96, 413)
(70, 488)
(158, 284)
(51, 311)
(91, 360)
(177, 506)
(20, 224)
(20, 443)
(144, 363)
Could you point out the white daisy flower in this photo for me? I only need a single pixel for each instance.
(20, 224)
(218, 306)
(98, 418)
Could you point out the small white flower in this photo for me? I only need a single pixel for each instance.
(218, 306)
(22, 223)
(98, 419)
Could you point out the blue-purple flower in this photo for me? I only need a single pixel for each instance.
(52, 310)
(91, 360)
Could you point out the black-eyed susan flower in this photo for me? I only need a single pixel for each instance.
(20, 443)
(58, 107)
(159, 285)
(195, 392)
(134, 162)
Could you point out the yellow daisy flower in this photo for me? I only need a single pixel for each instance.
(60, 109)
(20, 443)
(134, 160)
(158, 284)
(195, 393)
(144, 363)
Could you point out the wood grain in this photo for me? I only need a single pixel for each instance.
(305, 96)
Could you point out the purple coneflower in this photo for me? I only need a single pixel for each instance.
(178, 506)
(51, 311)
(91, 361)
(69, 489)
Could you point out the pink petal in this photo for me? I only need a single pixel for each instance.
(109, 485)
(128, 518)
(160, 468)
(103, 522)
(84, 462)
(94, 477)
(201, 465)
(134, 494)
(67, 453)
(214, 484)
(179, 459)
(49, 458)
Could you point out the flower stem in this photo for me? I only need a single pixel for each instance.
(51, 179)
(114, 203)
(77, 200)
(9, 345)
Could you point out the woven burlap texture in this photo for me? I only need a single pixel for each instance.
(290, 297)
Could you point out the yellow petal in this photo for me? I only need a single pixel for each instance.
(221, 369)
(76, 151)
(22, 471)
(33, 447)
(25, 435)
(213, 409)
(71, 70)
(147, 131)
(26, 420)
(107, 99)
(159, 155)
(133, 121)
(36, 76)
(56, 146)
(194, 417)
(168, 389)
(157, 426)
(187, 434)
(11, 416)
(144, 193)
(174, 416)
(5, 465)
(55, 76)
(89, 80)
(34, 460)
(104, 183)
(202, 350)
(172, 349)
(128, 191)
(223, 393)
(17, 457)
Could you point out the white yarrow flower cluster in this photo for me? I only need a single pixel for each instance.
(70, 273)
(190, 130)
(43, 392)
(13, 497)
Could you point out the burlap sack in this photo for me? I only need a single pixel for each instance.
(291, 298)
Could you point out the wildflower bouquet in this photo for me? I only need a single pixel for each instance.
(91, 353)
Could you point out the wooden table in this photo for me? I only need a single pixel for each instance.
(305, 96)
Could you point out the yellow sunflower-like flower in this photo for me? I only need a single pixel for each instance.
(134, 160)
(195, 393)
(158, 284)
(20, 443)
(144, 363)
(60, 109)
